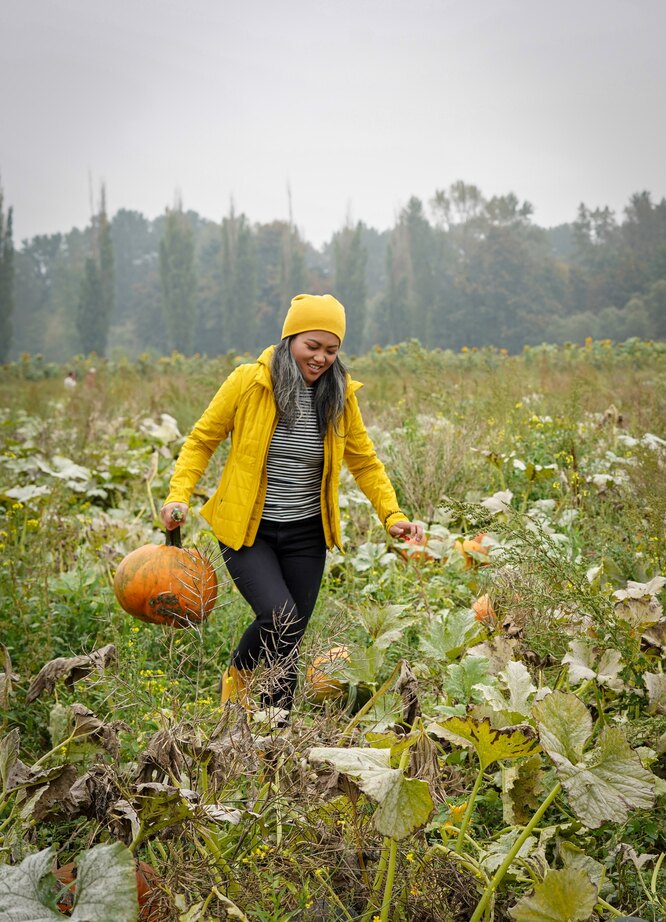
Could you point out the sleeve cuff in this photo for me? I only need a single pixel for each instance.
(394, 517)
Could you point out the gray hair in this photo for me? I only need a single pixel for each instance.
(288, 386)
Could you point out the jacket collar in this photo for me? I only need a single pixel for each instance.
(264, 368)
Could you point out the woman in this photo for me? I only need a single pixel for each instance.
(293, 417)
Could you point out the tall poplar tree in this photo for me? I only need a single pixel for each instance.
(239, 283)
(178, 279)
(97, 288)
(106, 269)
(292, 269)
(350, 282)
(89, 314)
(6, 280)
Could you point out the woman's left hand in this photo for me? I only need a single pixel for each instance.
(408, 530)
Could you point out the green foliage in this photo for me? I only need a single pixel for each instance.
(89, 318)
(350, 283)
(503, 737)
(6, 279)
(464, 272)
(604, 783)
(96, 295)
(237, 325)
(563, 896)
(178, 281)
(404, 804)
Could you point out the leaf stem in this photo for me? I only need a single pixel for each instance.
(390, 877)
(607, 906)
(518, 844)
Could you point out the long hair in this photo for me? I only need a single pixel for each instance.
(288, 386)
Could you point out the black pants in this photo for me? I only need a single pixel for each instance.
(279, 576)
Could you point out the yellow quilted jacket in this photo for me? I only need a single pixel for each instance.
(244, 406)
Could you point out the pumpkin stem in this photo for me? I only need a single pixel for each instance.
(173, 538)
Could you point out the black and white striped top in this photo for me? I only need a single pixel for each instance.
(294, 467)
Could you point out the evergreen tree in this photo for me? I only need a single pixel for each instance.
(393, 322)
(270, 293)
(411, 297)
(350, 284)
(422, 278)
(178, 279)
(106, 270)
(97, 287)
(211, 326)
(137, 316)
(6, 280)
(292, 275)
(239, 283)
(89, 319)
(34, 293)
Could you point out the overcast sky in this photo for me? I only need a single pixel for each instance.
(355, 105)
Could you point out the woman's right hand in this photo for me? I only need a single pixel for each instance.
(173, 515)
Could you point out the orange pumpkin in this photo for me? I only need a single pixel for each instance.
(320, 680)
(484, 611)
(469, 547)
(167, 584)
(151, 900)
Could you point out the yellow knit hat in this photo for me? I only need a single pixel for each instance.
(315, 312)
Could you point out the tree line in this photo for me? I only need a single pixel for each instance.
(459, 270)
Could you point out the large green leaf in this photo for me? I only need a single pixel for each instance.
(491, 745)
(574, 857)
(609, 782)
(105, 887)
(565, 726)
(604, 783)
(466, 680)
(514, 693)
(563, 896)
(386, 623)
(451, 634)
(407, 804)
(404, 803)
(27, 890)
(363, 665)
(588, 662)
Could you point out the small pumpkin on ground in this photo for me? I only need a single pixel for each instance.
(167, 584)
(484, 611)
(321, 681)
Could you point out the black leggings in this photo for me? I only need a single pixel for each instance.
(279, 576)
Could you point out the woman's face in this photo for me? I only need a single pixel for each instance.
(314, 352)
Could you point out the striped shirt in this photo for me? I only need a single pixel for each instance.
(295, 466)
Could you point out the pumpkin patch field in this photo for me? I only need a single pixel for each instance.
(480, 727)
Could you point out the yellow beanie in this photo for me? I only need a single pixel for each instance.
(315, 312)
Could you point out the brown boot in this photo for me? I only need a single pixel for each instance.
(235, 687)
